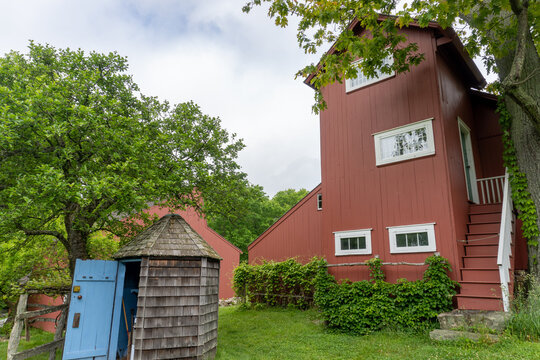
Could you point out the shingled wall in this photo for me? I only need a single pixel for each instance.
(177, 310)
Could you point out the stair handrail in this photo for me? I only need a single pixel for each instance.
(505, 241)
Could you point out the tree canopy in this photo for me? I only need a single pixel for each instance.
(258, 213)
(505, 33)
(81, 148)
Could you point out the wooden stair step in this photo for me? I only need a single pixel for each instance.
(480, 288)
(486, 208)
(480, 274)
(483, 217)
(484, 228)
(474, 249)
(480, 261)
(479, 303)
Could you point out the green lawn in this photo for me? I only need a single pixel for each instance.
(291, 334)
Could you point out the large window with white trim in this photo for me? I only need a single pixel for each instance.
(404, 142)
(412, 238)
(362, 80)
(353, 242)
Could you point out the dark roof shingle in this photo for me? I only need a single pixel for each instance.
(169, 236)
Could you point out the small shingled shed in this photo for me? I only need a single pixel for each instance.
(178, 284)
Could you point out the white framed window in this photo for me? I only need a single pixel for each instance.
(404, 142)
(353, 242)
(412, 238)
(319, 201)
(362, 80)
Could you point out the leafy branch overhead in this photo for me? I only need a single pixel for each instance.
(81, 148)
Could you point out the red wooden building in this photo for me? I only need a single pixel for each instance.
(411, 166)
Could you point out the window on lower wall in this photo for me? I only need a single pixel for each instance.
(412, 238)
(353, 242)
(404, 142)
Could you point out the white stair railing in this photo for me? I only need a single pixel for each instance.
(505, 242)
(491, 189)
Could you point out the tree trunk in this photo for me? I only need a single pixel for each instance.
(77, 243)
(76, 238)
(525, 135)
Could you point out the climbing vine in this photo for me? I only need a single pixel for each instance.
(518, 181)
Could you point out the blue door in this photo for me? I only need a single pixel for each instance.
(90, 318)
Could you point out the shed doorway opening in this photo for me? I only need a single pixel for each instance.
(128, 309)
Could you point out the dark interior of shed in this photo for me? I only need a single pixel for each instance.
(129, 308)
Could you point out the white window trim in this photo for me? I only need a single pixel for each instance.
(319, 201)
(381, 77)
(405, 229)
(427, 123)
(468, 145)
(338, 235)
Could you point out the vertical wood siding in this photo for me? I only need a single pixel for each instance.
(177, 309)
(360, 195)
(295, 234)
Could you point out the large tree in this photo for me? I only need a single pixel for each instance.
(504, 32)
(81, 149)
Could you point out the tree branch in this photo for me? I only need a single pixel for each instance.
(522, 30)
(527, 103)
(56, 234)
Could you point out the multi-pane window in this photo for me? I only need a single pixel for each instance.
(353, 242)
(363, 80)
(405, 142)
(412, 238)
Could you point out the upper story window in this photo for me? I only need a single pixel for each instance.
(404, 142)
(362, 80)
(319, 201)
(412, 238)
(353, 242)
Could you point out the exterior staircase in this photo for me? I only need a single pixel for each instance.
(479, 273)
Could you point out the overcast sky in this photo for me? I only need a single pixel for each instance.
(239, 67)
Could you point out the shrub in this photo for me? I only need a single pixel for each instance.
(364, 306)
(278, 283)
(525, 319)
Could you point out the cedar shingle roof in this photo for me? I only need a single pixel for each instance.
(169, 236)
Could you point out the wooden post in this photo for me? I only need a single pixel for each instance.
(26, 330)
(60, 326)
(15, 335)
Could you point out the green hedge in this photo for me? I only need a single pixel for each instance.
(363, 306)
(356, 307)
(278, 283)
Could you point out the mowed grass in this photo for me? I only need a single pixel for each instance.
(281, 334)
(37, 337)
(291, 334)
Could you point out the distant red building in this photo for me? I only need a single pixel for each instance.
(411, 165)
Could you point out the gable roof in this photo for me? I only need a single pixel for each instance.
(170, 236)
(448, 44)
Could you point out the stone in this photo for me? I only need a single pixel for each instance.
(467, 319)
(453, 335)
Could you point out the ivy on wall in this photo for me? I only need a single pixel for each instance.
(518, 181)
(356, 307)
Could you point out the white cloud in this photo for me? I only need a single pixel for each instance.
(237, 66)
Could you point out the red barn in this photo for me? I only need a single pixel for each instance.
(411, 165)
